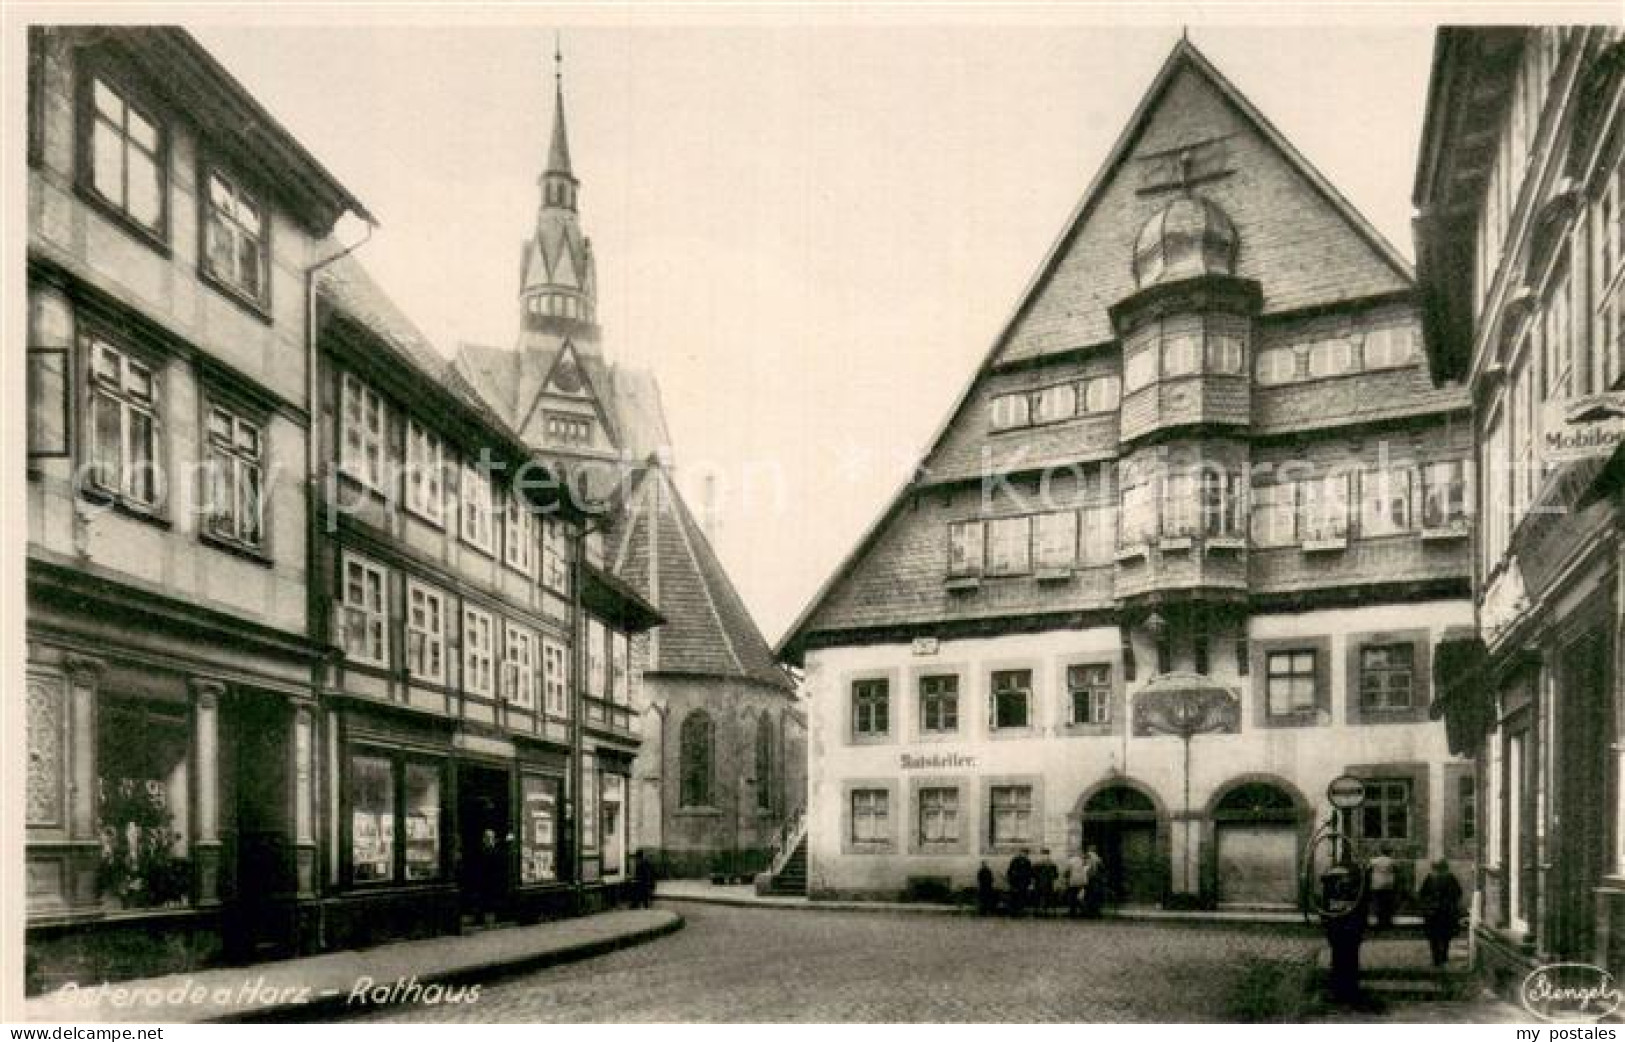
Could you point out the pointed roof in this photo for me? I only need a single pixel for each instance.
(1049, 318)
(660, 550)
(558, 151)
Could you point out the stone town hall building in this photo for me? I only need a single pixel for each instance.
(1179, 556)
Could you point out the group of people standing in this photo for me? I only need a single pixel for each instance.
(1438, 899)
(1040, 886)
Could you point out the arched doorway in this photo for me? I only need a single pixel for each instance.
(1120, 822)
(1257, 827)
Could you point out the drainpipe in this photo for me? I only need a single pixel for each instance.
(578, 709)
(312, 506)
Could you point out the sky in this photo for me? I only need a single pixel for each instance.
(811, 234)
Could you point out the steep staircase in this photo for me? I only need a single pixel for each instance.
(792, 878)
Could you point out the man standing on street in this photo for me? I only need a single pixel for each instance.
(1077, 876)
(986, 897)
(1020, 877)
(1440, 898)
(1384, 893)
(1044, 875)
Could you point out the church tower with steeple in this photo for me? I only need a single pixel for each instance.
(558, 292)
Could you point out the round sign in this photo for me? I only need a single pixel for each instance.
(1346, 792)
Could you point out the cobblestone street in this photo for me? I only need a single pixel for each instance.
(749, 965)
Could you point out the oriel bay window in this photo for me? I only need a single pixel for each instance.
(939, 704)
(1223, 503)
(1138, 524)
(123, 426)
(871, 708)
(396, 817)
(235, 506)
(1012, 699)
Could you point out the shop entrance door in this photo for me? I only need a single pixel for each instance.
(1121, 824)
(485, 837)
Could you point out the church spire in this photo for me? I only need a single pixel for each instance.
(558, 281)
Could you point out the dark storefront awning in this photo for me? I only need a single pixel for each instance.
(1464, 695)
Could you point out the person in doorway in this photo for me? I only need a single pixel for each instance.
(1094, 883)
(1382, 881)
(1045, 874)
(1019, 876)
(1075, 877)
(1440, 898)
(987, 898)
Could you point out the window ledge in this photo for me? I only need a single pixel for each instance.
(962, 583)
(1131, 553)
(155, 238)
(1447, 534)
(119, 504)
(1088, 730)
(1053, 575)
(697, 812)
(247, 553)
(1226, 542)
(257, 307)
(1177, 543)
(1329, 545)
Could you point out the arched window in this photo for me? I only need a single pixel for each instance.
(766, 783)
(696, 742)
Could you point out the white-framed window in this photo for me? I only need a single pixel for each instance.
(1389, 347)
(236, 241)
(1332, 357)
(1278, 365)
(1387, 810)
(556, 556)
(571, 430)
(1055, 539)
(1181, 346)
(1010, 815)
(620, 677)
(1101, 394)
(1009, 546)
(362, 421)
(475, 494)
(1053, 404)
(1275, 515)
(597, 658)
(1089, 694)
(939, 816)
(519, 537)
(236, 462)
(1226, 344)
(479, 648)
(123, 425)
(365, 610)
(1139, 519)
(519, 666)
(1608, 282)
(1222, 502)
(1385, 502)
(1323, 507)
(556, 676)
(1012, 699)
(1290, 681)
(1139, 365)
(125, 155)
(1445, 496)
(1008, 411)
(871, 815)
(425, 632)
(425, 473)
(965, 544)
(1387, 677)
(939, 704)
(871, 707)
(1179, 505)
